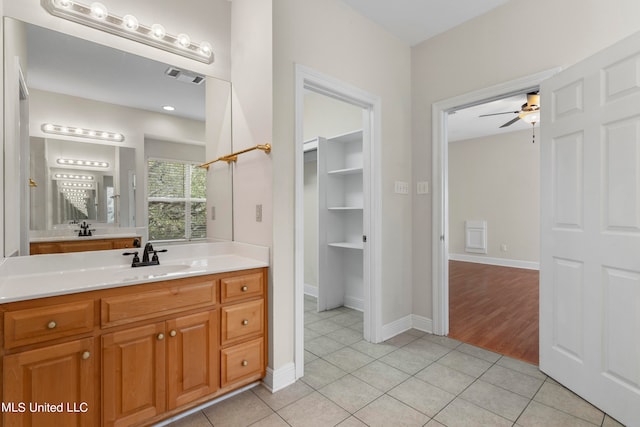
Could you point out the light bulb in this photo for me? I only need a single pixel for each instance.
(206, 48)
(63, 3)
(531, 118)
(158, 31)
(99, 11)
(183, 40)
(130, 22)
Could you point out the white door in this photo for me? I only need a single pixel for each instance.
(590, 221)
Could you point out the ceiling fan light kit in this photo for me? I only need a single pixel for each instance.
(529, 112)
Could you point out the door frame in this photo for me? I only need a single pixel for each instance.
(309, 79)
(440, 172)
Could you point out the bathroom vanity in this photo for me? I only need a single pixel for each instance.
(120, 346)
(78, 244)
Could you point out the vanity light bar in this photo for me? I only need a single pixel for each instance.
(71, 176)
(77, 184)
(97, 16)
(81, 132)
(90, 163)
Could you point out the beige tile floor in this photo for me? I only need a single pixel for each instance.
(413, 379)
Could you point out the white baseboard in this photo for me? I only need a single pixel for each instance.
(503, 262)
(396, 327)
(280, 378)
(405, 323)
(353, 302)
(421, 323)
(311, 290)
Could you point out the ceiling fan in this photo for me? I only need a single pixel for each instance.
(529, 112)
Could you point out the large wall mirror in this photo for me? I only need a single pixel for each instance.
(145, 116)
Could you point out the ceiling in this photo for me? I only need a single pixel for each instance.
(466, 123)
(417, 20)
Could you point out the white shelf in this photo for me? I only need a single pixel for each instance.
(349, 171)
(354, 136)
(347, 245)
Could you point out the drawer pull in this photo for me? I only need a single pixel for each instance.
(245, 322)
(86, 355)
(52, 325)
(245, 362)
(160, 337)
(173, 333)
(245, 288)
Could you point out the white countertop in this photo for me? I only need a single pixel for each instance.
(25, 278)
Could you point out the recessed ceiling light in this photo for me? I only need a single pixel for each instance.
(168, 107)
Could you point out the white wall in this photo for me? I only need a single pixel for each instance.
(497, 179)
(514, 40)
(330, 37)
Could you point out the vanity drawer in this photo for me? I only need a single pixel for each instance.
(241, 361)
(34, 325)
(179, 295)
(240, 287)
(241, 321)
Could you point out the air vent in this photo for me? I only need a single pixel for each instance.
(184, 76)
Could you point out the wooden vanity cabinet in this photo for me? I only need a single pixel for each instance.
(67, 246)
(63, 375)
(133, 355)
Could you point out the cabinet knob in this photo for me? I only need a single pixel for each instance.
(52, 324)
(245, 288)
(173, 333)
(245, 362)
(245, 322)
(86, 355)
(160, 336)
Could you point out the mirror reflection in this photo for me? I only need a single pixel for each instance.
(161, 116)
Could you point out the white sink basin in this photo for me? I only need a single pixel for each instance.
(151, 271)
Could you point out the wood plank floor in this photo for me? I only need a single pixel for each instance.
(495, 308)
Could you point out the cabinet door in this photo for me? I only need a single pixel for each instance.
(63, 378)
(192, 357)
(133, 376)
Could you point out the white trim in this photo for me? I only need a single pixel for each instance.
(440, 221)
(396, 327)
(309, 79)
(354, 303)
(310, 290)
(502, 262)
(412, 321)
(421, 323)
(278, 379)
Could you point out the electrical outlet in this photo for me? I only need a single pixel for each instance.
(503, 247)
(213, 213)
(423, 187)
(258, 213)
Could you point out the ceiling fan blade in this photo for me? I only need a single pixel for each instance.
(510, 122)
(496, 114)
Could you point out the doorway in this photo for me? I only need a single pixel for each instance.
(494, 234)
(440, 224)
(311, 81)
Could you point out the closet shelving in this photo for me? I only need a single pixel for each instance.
(340, 219)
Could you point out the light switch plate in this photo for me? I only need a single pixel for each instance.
(422, 187)
(401, 187)
(258, 213)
